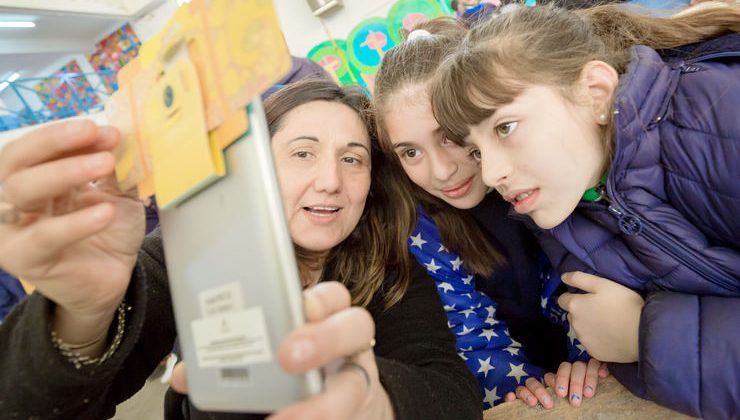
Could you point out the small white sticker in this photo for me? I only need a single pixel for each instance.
(235, 339)
(226, 299)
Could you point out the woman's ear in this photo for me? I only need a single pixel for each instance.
(598, 82)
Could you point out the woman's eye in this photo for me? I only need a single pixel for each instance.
(505, 129)
(301, 154)
(351, 160)
(475, 154)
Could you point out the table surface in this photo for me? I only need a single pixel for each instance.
(612, 401)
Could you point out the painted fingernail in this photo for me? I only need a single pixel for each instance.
(302, 350)
(589, 388)
(575, 397)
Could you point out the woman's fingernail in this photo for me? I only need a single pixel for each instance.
(575, 397)
(302, 349)
(561, 391)
(546, 401)
(589, 388)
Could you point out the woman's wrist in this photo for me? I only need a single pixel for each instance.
(84, 333)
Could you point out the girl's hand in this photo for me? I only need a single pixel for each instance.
(334, 331)
(76, 242)
(606, 318)
(531, 393)
(577, 380)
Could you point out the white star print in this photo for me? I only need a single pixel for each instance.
(580, 348)
(467, 295)
(491, 321)
(485, 366)
(468, 312)
(417, 240)
(512, 350)
(491, 311)
(431, 266)
(465, 331)
(514, 342)
(491, 395)
(442, 248)
(446, 286)
(488, 334)
(468, 279)
(543, 302)
(571, 334)
(449, 308)
(517, 372)
(462, 356)
(456, 263)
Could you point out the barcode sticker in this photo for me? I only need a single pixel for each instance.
(236, 339)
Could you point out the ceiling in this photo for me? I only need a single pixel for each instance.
(62, 28)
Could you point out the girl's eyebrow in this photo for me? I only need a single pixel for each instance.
(403, 144)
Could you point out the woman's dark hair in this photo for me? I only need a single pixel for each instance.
(377, 245)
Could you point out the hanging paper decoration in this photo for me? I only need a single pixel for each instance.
(114, 52)
(67, 92)
(366, 45)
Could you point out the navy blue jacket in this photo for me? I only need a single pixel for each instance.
(669, 226)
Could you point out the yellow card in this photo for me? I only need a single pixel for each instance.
(182, 156)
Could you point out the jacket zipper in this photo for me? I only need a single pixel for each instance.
(664, 242)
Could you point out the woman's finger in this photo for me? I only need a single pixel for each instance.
(577, 374)
(603, 370)
(324, 299)
(538, 389)
(510, 396)
(30, 189)
(179, 380)
(550, 380)
(345, 395)
(49, 236)
(562, 380)
(592, 378)
(313, 345)
(49, 142)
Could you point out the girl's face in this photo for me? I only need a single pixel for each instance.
(541, 152)
(323, 167)
(437, 165)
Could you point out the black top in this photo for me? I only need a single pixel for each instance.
(516, 286)
(415, 353)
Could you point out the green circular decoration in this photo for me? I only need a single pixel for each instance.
(367, 43)
(405, 13)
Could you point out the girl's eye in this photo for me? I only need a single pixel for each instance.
(475, 154)
(505, 129)
(410, 153)
(446, 141)
(301, 154)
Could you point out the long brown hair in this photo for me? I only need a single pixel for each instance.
(547, 45)
(377, 245)
(407, 65)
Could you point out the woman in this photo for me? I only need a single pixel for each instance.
(83, 260)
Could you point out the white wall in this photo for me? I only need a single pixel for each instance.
(303, 30)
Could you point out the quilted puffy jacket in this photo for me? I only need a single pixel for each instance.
(669, 226)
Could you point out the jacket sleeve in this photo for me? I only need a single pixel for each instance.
(690, 353)
(38, 382)
(417, 362)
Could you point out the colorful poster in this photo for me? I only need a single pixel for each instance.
(366, 45)
(114, 52)
(67, 92)
(332, 56)
(406, 13)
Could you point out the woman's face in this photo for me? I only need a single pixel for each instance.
(322, 158)
(541, 152)
(437, 165)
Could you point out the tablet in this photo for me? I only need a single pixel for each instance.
(234, 281)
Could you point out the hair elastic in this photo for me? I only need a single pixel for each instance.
(418, 33)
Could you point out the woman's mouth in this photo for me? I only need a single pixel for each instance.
(459, 190)
(322, 214)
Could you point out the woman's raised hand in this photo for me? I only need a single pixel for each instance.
(65, 227)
